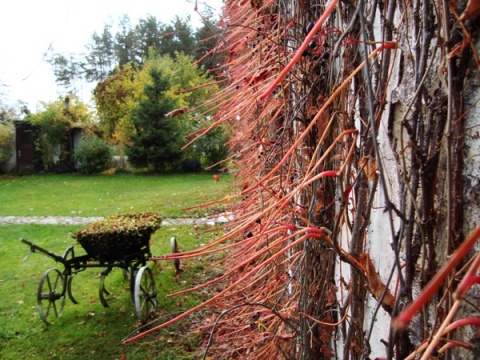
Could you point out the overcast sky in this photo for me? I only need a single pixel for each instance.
(29, 28)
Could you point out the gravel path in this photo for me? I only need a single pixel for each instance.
(80, 220)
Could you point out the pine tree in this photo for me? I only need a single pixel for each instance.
(157, 141)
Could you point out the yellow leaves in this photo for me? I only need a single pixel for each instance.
(369, 166)
(110, 171)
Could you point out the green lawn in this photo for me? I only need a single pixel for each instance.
(102, 195)
(88, 330)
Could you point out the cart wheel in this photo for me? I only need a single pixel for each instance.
(145, 294)
(51, 295)
(69, 289)
(132, 275)
(102, 291)
(68, 256)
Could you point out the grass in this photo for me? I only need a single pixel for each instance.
(102, 195)
(88, 330)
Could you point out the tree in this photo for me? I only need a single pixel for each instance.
(118, 95)
(206, 39)
(149, 34)
(130, 44)
(100, 59)
(115, 98)
(178, 38)
(210, 148)
(7, 132)
(157, 142)
(126, 43)
(68, 71)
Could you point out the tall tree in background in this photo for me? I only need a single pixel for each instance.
(131, 44)
(206, 39)
(149, 35)
(100, 59)
(157, 142)
(125, 43)
(68, 71)
(121, 63)
(179, 37)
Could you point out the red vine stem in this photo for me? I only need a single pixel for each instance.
(432, 287)
(223, 292)
(469, 279)
(462, 322)
(454, 325)
(317, 116)
(441, 330)
(302, 48)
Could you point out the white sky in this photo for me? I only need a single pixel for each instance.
(29, 27)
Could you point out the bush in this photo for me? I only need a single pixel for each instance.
(7, 134)
(93, 155)
(191, 165)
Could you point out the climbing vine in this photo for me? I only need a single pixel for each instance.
(348, 123)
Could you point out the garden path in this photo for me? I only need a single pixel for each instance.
(81, 220)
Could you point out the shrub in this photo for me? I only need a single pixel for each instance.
(92, 155)
(7, 134)
(191, 165)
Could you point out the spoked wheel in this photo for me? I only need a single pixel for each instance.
(51, 295)
(69, 289)
(102, 289)
(145, 294)
(68, 256)
(132, 276)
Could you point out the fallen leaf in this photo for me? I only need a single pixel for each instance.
(177, 112)
(457, 50)
(375, 284)
(123, 355)
(369, 166)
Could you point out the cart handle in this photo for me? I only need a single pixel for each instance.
(34, 248)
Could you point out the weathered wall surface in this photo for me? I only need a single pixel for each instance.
(429, 148)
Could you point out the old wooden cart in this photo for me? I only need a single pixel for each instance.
(55, 284)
